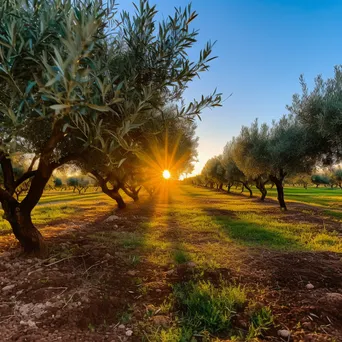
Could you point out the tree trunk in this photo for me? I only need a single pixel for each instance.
(228, 187)
(278, 181)
(261, 187)
(221, 186)
(280, 191)
(246, 185)
(133, 193)
(112, 193)
(242, 188)
(19, 214)
(24, 230)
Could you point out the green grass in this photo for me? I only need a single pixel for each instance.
(204, 310)
(325, 197)
(205, 307)
(181, 256)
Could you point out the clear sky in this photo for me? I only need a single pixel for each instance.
(263, 46)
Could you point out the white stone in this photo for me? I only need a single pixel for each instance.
(112, 218)
(284, 333)
(310, 286)
(129, 333)
(121, 326)
(31, 324)
(8, 288)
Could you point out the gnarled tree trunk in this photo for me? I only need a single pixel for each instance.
(19, 214)
(261, 187)
(278, 181)
(112, 193)
(246, 185)
(133, 193)
(24, 230)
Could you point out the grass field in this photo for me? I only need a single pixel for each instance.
(327, 198)
(194, 264)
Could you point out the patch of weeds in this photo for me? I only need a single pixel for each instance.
(134, 260)
(125, 317)
(180, 257)
(91, 327)
(260, 321)
(173, 334)
(205, 307)
(143, 289)
(131, 240)
(44, 280)
(166, 306)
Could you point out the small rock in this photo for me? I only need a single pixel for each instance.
(284, 333)
(31, 324)
(169, 272)
(108, 256)
(129, 332)
(121, 326)
(333, 299)
(112, 218)
(310, 286)
(191, 264)
(8, 288)
(158, 290)
(132, 273)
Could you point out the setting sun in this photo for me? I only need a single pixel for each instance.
(166, 174)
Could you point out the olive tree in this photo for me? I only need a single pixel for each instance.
(248, 153)
(72, 79)
(213, 172)
(232, 173)
(320, 112)
(277, 151)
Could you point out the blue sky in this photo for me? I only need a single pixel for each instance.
(263, 46)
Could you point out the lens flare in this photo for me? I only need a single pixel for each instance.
(166, 174)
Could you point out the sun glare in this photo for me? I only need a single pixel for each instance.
(166, 174)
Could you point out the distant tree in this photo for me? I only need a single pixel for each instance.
(320, 179)
(274, 152)
(57, 182)
(78, 183)
(302, 179)
(214, 173)
(338, 177)
(232, 173)
(249, 151)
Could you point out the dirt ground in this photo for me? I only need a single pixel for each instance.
(91, 290)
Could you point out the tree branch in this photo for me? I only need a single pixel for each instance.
(24, 177)
(35, 158)
(7, 170)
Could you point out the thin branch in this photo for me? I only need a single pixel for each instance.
(24, 177)
(34, 159)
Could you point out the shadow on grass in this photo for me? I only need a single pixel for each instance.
(250, 233)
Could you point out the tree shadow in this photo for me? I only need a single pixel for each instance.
(250, 233)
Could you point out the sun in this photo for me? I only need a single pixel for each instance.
(166, 174)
